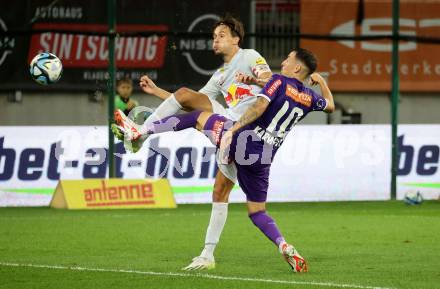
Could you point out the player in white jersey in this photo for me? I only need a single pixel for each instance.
(240, 65)
(238, 95)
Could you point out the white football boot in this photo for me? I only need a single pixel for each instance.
(200, 263)
(133, 138)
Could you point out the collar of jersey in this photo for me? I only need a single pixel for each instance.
(234, 59)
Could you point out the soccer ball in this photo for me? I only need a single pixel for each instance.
(139, 114)
(413, 198)
(46, 68)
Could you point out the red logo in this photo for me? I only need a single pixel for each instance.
(92, 51)
(228, 98)
(119, 195)
(299, 97)
(217, 131)
(274, 87)
(235, 94)
(241, 92)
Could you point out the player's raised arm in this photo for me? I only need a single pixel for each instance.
(148, 86)
(316, 78)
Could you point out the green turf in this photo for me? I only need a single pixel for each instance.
(383, 244)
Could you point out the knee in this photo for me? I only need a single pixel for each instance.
(183, 95)
(220, 193)
(254, 216)
(255, 208)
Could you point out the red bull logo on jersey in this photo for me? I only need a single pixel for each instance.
(237, 93)
(299, 97)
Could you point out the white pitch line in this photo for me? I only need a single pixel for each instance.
(198, 275)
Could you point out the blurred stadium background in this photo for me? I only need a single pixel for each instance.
(49, 133)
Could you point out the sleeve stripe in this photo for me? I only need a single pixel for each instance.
(265, 96)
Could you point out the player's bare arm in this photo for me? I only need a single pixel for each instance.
(316, 78)
(148, 86)
(252, 113)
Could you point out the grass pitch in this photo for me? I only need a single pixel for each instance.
(347, 245)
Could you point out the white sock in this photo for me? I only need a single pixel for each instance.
(219, 214)
(168, 107)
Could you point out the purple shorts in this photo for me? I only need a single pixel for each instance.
(252, 178)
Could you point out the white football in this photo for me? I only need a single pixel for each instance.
(413, 198)
(46, 68)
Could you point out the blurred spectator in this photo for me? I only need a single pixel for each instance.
(124, 89)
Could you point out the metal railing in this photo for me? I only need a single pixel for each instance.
(274, 17)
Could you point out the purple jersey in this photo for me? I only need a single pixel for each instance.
(290, 101)
(254, 146)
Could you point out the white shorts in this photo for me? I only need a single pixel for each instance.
(218, 108)
(229, 170)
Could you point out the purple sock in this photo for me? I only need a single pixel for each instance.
(267, 225)
(174, 122)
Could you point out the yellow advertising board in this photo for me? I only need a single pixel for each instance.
(113, 194)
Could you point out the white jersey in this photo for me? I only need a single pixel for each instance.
(238, 96)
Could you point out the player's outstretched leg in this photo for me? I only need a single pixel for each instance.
(268, 226)
(201, 121)
(136, 134)
(184, 98)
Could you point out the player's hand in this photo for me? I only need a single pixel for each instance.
(262, 81)
(147, 85)
(225, 144)
(316, 78)
(246, 79)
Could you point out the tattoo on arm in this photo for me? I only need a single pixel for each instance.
(248, 117)
(253, 112)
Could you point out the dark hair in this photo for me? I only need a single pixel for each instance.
(124, 80)
(308, 58)
(235, 25)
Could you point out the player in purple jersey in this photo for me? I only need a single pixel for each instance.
(254, 139)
